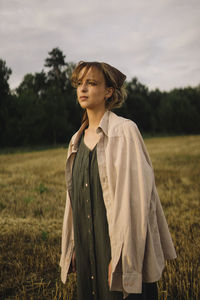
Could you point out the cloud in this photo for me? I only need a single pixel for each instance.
(157, 41)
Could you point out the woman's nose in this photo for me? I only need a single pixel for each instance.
(84, 86)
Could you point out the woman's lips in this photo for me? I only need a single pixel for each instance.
(83, 97)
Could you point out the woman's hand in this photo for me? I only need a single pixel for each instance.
(109, 273)
(72, 268)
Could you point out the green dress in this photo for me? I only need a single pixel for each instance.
(92, 243)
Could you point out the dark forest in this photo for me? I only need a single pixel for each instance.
(43, 109)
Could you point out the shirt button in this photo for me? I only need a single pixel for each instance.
(88, 216)
(86, 184)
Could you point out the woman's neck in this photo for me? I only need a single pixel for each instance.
(94, 118)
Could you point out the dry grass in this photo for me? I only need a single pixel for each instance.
(32, 199)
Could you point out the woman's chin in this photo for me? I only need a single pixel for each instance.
(83, 106)
(86, 105)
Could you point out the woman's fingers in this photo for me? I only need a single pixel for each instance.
(72, 267)
(109, 273)
(74, 262)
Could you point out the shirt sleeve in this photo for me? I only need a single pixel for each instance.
(134, 182)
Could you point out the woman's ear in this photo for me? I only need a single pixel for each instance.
(109, 92)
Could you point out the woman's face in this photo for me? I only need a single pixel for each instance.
(91, 90)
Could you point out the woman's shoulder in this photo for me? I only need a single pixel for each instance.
(121, 125)
(128, 130)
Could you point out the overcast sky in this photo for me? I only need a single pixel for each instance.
(157, 41)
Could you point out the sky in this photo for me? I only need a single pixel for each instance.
(157, 41)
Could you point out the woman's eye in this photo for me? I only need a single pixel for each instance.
(92, 83)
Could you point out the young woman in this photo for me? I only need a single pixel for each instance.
(115, 235)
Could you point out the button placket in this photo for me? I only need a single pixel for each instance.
(90, 231)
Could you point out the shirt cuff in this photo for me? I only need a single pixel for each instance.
(132, 283)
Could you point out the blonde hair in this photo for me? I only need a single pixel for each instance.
(113, 78)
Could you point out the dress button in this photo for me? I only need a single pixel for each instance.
(93, 293)
(86, 184)
(88, 216)
(92, 277)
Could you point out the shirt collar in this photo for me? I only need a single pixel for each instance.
(77, 135)
(103, 126)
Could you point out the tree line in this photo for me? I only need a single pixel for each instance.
(43, 109)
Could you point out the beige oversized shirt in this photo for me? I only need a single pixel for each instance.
(139, 235)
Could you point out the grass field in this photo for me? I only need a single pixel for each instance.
(32, 200)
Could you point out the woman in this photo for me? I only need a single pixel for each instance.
(115, 235)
